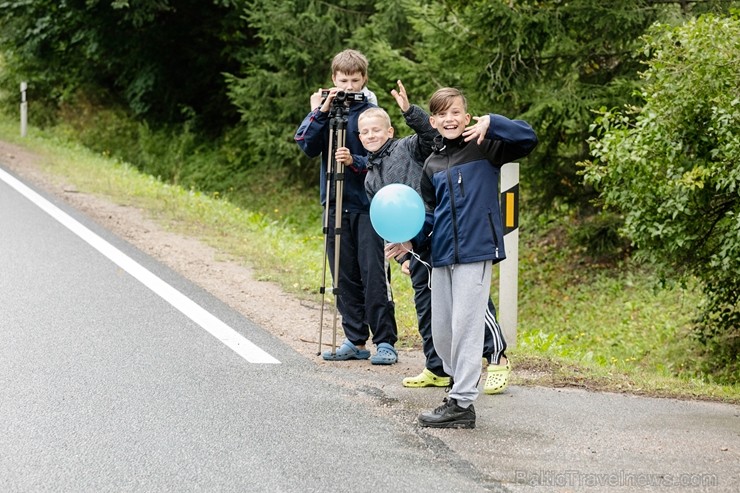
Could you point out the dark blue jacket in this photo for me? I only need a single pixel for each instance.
(313, 137)
(460, 188)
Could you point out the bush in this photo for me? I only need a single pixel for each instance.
(672, 167)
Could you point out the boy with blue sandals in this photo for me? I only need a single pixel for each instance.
(364, 300)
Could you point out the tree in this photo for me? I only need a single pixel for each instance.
(671, 166)
(298, 39)
(245, 68)
(157, 56)
(549, 62)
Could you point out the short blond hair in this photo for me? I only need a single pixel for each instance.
(375, 112)
(444, 98)
(349, 62)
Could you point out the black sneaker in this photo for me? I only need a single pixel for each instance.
(449, 415)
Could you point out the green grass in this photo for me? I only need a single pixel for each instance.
(596, 325)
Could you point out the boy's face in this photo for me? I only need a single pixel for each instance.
(452, 121)
(349, 82)
(374, 132)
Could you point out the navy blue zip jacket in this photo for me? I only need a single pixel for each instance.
(313, 137)
(460, 188)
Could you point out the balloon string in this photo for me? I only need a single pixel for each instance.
(426, 265)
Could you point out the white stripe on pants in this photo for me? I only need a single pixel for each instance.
(459, 301)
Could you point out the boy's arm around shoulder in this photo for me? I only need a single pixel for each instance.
(517, 136)
(310, 134)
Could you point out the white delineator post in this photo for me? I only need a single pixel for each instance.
(509, 268)
(24, 110)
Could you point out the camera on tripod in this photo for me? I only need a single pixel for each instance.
(344, 98)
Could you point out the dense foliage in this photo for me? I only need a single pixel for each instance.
(672, 167)
(162, 59)
(298, 39)
(549, 62)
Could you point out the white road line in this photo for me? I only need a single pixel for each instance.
(232, 339)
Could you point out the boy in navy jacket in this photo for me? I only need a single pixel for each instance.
(392, 160)
(459, 186)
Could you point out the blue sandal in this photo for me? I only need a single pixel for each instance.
(386, 355)
(346, 351)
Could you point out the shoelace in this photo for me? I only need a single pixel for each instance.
(446, 403)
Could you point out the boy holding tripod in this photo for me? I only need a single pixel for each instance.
(359, 268)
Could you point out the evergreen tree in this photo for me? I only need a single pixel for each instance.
(158, 57)
(298, 39)
(547, 61)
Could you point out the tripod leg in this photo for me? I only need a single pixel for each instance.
(339, 189)
(330, 165)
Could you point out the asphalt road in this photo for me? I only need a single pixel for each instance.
(117, 374)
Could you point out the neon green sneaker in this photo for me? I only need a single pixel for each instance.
(426, 379)
(497, 379)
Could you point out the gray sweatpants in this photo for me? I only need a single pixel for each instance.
(459, 300)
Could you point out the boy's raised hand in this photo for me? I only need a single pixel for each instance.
(401, 98)
(478, 131)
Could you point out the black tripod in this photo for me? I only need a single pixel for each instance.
(335, 183)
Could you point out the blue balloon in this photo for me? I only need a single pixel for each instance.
(397, 213)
